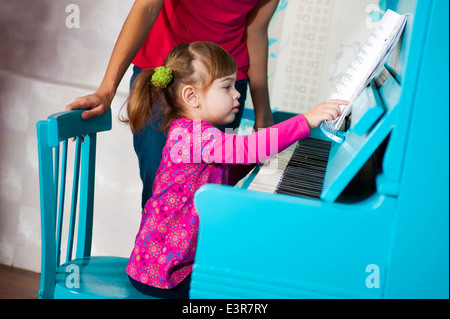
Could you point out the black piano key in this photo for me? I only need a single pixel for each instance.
(310, 186)
(306, 169)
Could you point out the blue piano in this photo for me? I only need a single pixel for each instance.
(378, 225)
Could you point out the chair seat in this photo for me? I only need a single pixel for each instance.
(99, 277)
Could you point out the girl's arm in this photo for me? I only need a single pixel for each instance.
(259, 146)
(258, 47)
(263, 144)
(134, 32)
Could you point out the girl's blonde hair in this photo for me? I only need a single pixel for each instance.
(197, 64)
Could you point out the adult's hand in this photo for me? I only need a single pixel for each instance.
(135, 30)
(96, 104)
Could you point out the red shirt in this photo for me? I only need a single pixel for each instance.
(184, 21)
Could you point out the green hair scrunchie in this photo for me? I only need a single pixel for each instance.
(162, 77)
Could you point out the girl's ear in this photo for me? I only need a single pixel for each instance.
(189, 95)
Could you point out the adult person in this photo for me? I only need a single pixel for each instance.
(154, 27)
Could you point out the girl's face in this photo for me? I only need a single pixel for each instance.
(219, 104)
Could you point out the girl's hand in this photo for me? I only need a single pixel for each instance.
(326, 111)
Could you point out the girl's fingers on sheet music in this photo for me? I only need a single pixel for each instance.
(334, 107)
(334, 110)
(325, 111)
(339, 102)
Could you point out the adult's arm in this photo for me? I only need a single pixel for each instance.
(134, 32)
(258, 49)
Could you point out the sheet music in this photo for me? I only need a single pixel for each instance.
(370, 59)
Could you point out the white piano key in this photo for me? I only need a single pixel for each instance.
(267, 178)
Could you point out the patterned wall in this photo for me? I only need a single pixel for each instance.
(319, 40)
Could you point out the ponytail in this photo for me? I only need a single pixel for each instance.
(141, 101)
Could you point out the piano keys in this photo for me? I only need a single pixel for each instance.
(307, 158)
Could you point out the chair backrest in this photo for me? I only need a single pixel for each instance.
(54, 149)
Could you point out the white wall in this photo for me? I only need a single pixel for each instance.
(44, 65)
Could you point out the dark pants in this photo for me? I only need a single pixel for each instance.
(180, 291)
(149, 143)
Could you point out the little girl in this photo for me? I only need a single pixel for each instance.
(193, 92)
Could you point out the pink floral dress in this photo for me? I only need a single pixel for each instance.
(195, 154)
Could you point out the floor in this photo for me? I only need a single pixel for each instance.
(18, 284)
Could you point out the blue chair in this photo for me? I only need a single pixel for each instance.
(80, 275)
